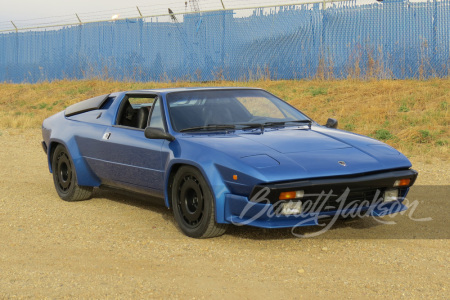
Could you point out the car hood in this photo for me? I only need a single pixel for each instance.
(289, 154)
(296, 141)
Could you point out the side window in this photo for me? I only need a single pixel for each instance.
(134, 111)
(156, 119)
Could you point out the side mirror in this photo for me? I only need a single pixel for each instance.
(332, 123)
(158, 134)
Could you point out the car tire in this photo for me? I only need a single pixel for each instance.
(193, 205)
(65, 177)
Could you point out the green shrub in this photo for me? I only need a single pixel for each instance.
(349, 127)
(424, 136)
(441, 143)
(318, 91)
(403, 108)
(383, 134)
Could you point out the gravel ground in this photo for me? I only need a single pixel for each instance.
(120, 247)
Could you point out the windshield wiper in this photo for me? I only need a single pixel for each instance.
(282, 123)
(245, 126)
(208, 128)
(270, 124)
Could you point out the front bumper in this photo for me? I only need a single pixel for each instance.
(325, 197)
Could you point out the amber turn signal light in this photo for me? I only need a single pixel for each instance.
(291, 195)
(402, 182)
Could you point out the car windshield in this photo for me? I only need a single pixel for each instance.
(230, 109)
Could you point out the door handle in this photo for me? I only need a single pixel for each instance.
(106, 136)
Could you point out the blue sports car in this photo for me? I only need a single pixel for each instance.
(221, 156)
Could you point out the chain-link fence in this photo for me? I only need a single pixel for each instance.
(360, 39)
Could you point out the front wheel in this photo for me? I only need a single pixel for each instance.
(65, 177)
(193, 205)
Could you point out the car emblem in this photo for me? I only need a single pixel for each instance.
(342, 163)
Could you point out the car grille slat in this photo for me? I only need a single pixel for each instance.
(332, 200)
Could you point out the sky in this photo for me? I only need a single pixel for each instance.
(31, 13)
(27, 13)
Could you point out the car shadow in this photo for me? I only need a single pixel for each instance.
(406, 226)
(153, 204)
(339, 229)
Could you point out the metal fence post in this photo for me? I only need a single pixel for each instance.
(435, 24)
(139, 11)
(17, 30)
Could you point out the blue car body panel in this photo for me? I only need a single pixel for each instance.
(129, 160)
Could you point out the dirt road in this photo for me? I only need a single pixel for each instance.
(117, 247)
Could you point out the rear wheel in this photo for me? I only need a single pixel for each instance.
(193, 205)
(65, 177)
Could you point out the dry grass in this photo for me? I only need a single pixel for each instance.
(410, 115)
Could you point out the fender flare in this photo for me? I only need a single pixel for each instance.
(85, 177)
(212, 178)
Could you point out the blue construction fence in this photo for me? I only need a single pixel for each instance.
(388, 39)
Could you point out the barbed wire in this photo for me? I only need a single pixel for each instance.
(178, 7)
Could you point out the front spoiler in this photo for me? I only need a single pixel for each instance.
(239, 211)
